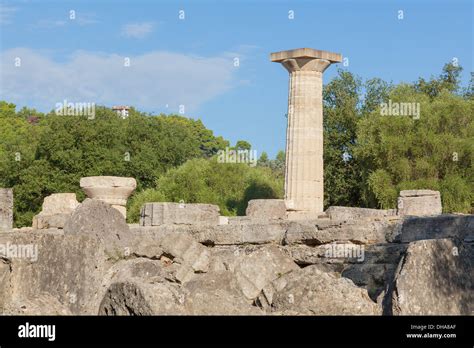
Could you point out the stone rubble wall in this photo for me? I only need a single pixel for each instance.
(98, 264)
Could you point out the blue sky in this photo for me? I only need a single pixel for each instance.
(190, 62)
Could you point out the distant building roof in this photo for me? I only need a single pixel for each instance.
(33, 119)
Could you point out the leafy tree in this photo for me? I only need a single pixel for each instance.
(341, 113)
(448, 80)
(469, 90)
(43, 154)
(243, 145)
(432, 152)
(276, 165)
(369, 158)
(263, 161)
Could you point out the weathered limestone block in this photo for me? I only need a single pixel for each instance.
(41, 222)
(266, 209)
(329, 253)
(435, 227)
(232, 234)
(185, 250)
(230, 255)
(305, 215)
(310, 291)
(241, 234)
(216, 293)
(155, 214)
(388, 253)
(305, 255)
(140, 287)
(134, 297)
(98, 219)
(419, 203)
(240, 220)
(257, 269)
(254, 266)
(372, 277)
(68, 268)
(223, 220)
(43, 304)
(136, 268)
(313, 232)
(435, 277)
(326, 231)
(6, 209)
(371, 266)
(143, 245)
(58, 203)
(351, 213)
(158, 233)
(113, 190)
(56, 210)
(5, 281)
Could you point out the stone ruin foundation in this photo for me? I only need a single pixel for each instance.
(185, 259)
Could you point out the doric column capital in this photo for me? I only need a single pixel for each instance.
(305, 59)
(305, 64)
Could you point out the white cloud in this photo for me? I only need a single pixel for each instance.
(153, 79)
(49, 23)
(137, 30)
(81, 19)
(6, 14)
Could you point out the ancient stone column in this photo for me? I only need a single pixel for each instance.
(304, 135)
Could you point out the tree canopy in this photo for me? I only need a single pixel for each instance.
(53, 152)
(369, 156)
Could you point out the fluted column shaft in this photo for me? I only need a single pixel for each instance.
(304, 146)
(304, 182)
